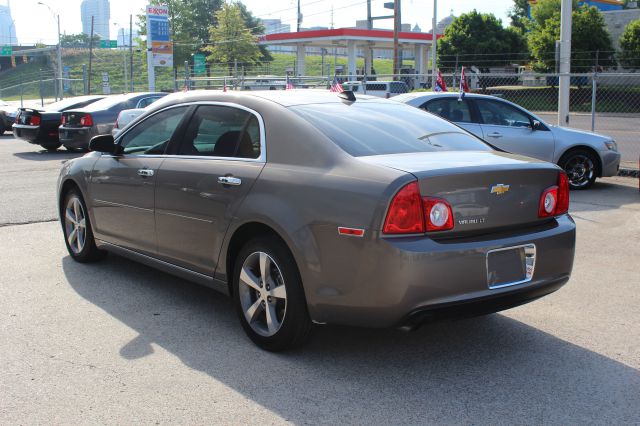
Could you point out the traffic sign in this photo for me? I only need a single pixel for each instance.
(109, 44)
(199, 67)
(6, 50)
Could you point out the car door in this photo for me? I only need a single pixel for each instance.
(122, 187)
(458, 111)
(200, 187)
(511, 129)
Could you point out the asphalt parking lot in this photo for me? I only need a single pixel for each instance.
(120, 343)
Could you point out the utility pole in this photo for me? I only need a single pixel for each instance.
(368, 51)
(396, 29)
(131, 51)
(90, 58)
(434, 39)
(565, 63)
(60, 85)
(299, 17)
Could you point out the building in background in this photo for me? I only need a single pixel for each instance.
(100, 11)
(275, 26)
(123, 37)
(7, 26)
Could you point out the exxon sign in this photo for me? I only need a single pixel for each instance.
(158, 11)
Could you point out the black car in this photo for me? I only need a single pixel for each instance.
(7, 116)
(40, 126)
(80, 125)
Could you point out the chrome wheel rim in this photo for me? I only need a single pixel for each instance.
(75, 225)
(580, 170)
(263, 295)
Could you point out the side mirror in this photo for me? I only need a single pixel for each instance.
(103, 143)
(536, 125)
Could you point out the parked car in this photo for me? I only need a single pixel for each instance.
(125, 117)
(583, 155)
(382, 89)
(307, 207)
(40, 126)
(7, 116)
(80, 125)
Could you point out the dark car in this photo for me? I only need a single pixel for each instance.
(307, 207)
(80, 125)
(40, 126)
(7, 116)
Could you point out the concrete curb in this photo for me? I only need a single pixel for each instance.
(629, 172)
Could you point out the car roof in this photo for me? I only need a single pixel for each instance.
(285, 98)
(406, 97)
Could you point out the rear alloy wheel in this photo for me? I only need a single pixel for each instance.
(581, 168)
(269, 297)
(78, 235)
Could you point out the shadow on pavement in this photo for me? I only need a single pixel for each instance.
(491, 369)
(604, 195)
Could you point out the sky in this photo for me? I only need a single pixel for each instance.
(35, 23)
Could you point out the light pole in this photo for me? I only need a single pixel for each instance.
(57, 17)
(434, 41)
(124, 57)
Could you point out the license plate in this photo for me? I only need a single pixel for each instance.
(510, 265)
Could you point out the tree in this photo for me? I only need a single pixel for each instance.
(78, 40)
(189, 22)
(231, 40)
(479, 39)
(519, 15)
(630, 45)
(590, 39)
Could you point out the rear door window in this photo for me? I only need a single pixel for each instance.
(450, 108)
(221, 131)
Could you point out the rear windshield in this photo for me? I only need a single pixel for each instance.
(376, 128)
(71, 103)
(109, 102)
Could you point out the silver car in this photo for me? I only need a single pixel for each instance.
(583, 155)
(312, 207)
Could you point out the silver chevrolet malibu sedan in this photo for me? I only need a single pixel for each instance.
(314, 207)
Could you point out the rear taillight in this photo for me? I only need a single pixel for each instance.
(563, 193)
(86, 121)
(405, 214)
(34, 120)
(64, 120)
(438, 214)
(409, 213)
(554, 200)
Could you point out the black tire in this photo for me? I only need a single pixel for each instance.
(294, 323)
(87, 252)
(581, 167)
(52, 147)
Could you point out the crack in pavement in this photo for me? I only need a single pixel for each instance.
(29, 222)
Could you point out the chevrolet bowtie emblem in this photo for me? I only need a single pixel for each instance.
(499, 189)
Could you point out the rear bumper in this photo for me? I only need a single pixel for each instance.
(31, 134)
(76, 137)
(482, 305)
(387, 282)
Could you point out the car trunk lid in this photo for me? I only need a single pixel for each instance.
(486, 190)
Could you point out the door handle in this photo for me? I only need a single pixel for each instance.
(145, 172)
(495, 135)
(229, 180)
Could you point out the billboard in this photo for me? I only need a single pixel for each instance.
(159, 38)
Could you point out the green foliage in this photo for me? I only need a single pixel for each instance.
(630, 45)
(190, 20)
(78, 40)
(590, 39)
(231, 39)
(478, 39)
(519, 15)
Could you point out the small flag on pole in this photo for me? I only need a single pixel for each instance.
(440, 86)
(464, 87)
(289, 85)
(336, 86)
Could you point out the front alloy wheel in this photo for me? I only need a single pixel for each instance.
(580, 167)
(76, 226)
